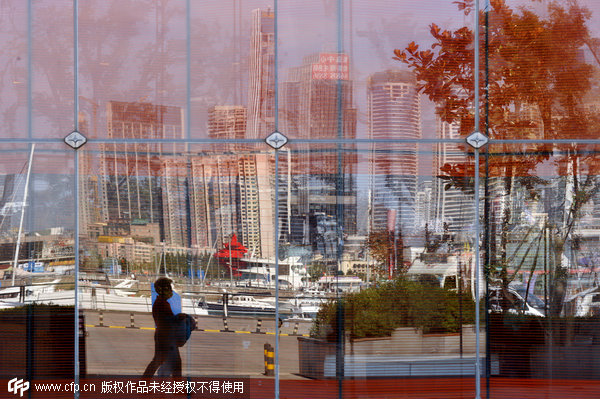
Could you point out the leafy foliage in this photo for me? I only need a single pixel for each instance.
(377, 311)
(380, 246)
(535, 83)
(532, 60)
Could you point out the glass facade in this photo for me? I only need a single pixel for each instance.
(348, 199)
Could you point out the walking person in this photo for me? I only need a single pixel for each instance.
(165, 336)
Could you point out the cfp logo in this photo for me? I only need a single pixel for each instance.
(17, 386)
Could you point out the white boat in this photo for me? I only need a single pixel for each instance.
(340, 284)
(307, 307)
(12, 296)
(260, 273)
(241, 305)
(90, 300)
(9, 297)
(126, 287)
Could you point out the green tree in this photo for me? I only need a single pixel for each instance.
(377, 311)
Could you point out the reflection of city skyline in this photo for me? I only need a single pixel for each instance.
(370, 205)
(199, 201)
(317, 100)
(394, 112)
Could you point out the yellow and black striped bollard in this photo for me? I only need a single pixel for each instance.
(269, 360)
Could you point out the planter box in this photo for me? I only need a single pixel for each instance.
(38, 342)
(312, 354)
(407, 353)
(537, 347)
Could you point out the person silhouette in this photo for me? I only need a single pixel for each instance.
(165, 336)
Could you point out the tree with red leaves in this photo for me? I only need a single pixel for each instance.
(534, 81)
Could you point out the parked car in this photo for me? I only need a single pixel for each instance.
(513, 300)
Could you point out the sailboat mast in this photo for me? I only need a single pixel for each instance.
(18, 246)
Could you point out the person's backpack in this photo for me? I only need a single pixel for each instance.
(185, 325)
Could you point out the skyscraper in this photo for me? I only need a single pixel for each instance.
(227, 122)
(261, 87)
(132, 173)
(394, 112)
(311, 107)
(316, 102)
(250, 178)
(257, 199)
(233, 194)
(176, 214)
(214, 200)
(452, 209)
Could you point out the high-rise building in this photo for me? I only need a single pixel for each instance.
(257, 203)
(176, 214)
(227, 122)
(9, 207)
(90, 200)
(311, 107)
(261, 86)
(132, 173)
(423, 203)
(394, 112)
(318, 194)
(234, 194)
(452, 209)
(250, 178)
(214, 198)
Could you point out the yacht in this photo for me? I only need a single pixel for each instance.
(240, 305)
(307, 307)
(260, 273)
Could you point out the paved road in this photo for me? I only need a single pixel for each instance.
(127, 351)
(144, 320)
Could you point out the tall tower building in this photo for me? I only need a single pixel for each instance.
(234, 194)
(249, 178)
(320, 188)
(257, 203)
(423, 203)
(310, 107)
(394, 112)
(8, 202)
(214, 200)
(132, 173)
(261, 87)
(227, 122)
(90, 200)
(176, 214)
(452, 209)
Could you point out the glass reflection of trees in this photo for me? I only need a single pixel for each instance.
(537, 85)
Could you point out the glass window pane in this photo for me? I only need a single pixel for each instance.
(315, 90)
(232, 69)
(199, 214)
(133, 52)
(542, 280)
(387, 232)
(37, 226)
(52, 66)
(543, 63)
